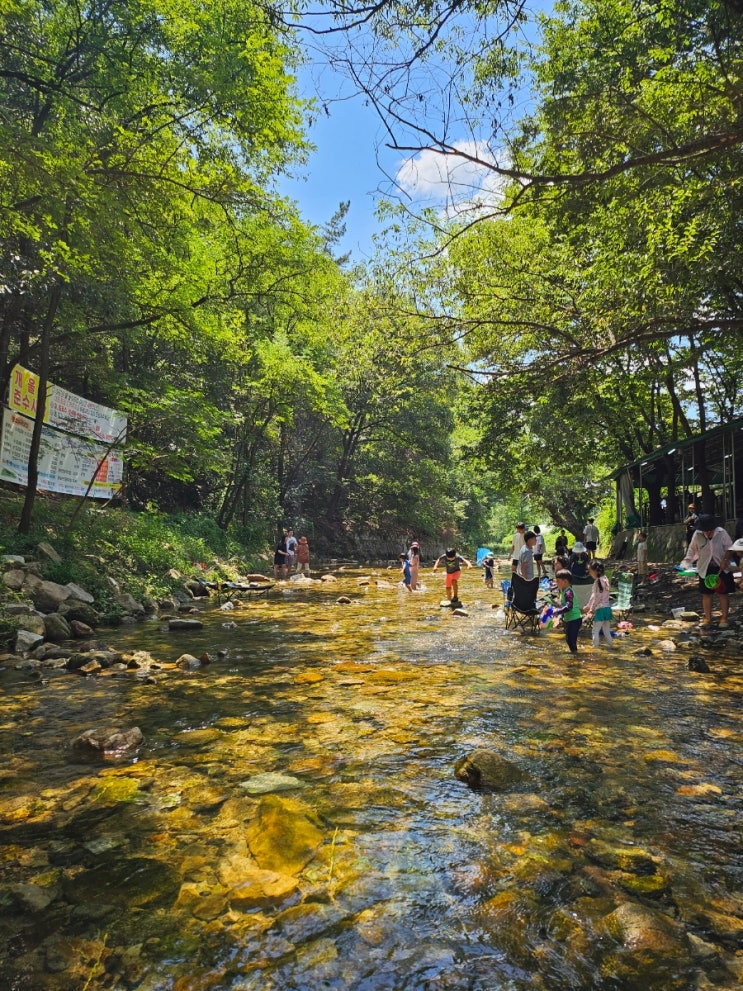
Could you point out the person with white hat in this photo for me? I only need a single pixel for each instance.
(578, 561)
(710, 549)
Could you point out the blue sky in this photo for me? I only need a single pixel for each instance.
(344, 167)
(348, 140)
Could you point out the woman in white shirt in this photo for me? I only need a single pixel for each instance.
(709, 549)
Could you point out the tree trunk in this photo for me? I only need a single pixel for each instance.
(24, 525)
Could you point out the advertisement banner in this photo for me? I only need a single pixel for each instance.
(65, 410)
(66, 463)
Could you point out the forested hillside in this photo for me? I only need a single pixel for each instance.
(577, 311)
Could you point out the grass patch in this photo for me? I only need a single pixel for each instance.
(141, 551)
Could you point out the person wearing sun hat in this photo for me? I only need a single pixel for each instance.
(578, 560)
(710, 549)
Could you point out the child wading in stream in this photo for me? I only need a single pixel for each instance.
(568, 610)
(454, 563)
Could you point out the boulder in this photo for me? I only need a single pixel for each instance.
(698, 664)
(48, 596)
(149, 604)
(98, 658)
(33, 622)
(648, 934)
(197, 589)
(109, 740)
(184, 624)
(46, 550)
(187, 662)
(80, 630)
(284, 836)
(21, 609)
(14, 579)
(79, 593)
(56, 628)
(486, 770)
(75, 609)
(129, 604)
(25, 640)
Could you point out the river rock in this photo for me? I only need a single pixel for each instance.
(632, 860)
(76, 609)
(187, 662)
(26, 640)
(14, 579)
(270, 781)
(129, 604)
(80, 630)
(21, 609)
(79, 593)
(33, 622)
(99, 658)
(284, 836)
(488, 771)
(109, 741)
(33, 898)
(56, 628)
(343, 600)
(49, 596)
(698, 664)
(181, 623)
(650, 939)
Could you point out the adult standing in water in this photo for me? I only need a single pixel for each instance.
(291, 550)
(711, 550)
(414, 556)
(279, 558)
(516, 544)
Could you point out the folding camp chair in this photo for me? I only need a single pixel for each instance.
(523, 613)
(625, 590)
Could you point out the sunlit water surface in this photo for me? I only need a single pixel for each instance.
(616, 863)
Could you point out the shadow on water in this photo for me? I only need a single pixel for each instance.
(293, 821)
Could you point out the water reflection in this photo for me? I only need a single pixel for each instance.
(293, 820)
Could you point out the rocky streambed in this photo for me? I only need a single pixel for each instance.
(360, 789)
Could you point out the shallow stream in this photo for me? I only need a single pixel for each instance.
(293, 821)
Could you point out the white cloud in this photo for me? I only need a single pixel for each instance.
(460, 181)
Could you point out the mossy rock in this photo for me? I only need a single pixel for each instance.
(116, 789)
(284, 836)
(484, 770)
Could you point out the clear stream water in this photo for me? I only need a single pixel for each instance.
(615, 862)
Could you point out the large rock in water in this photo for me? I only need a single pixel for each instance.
(284, 836)
(485, 770)
(109, 741)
